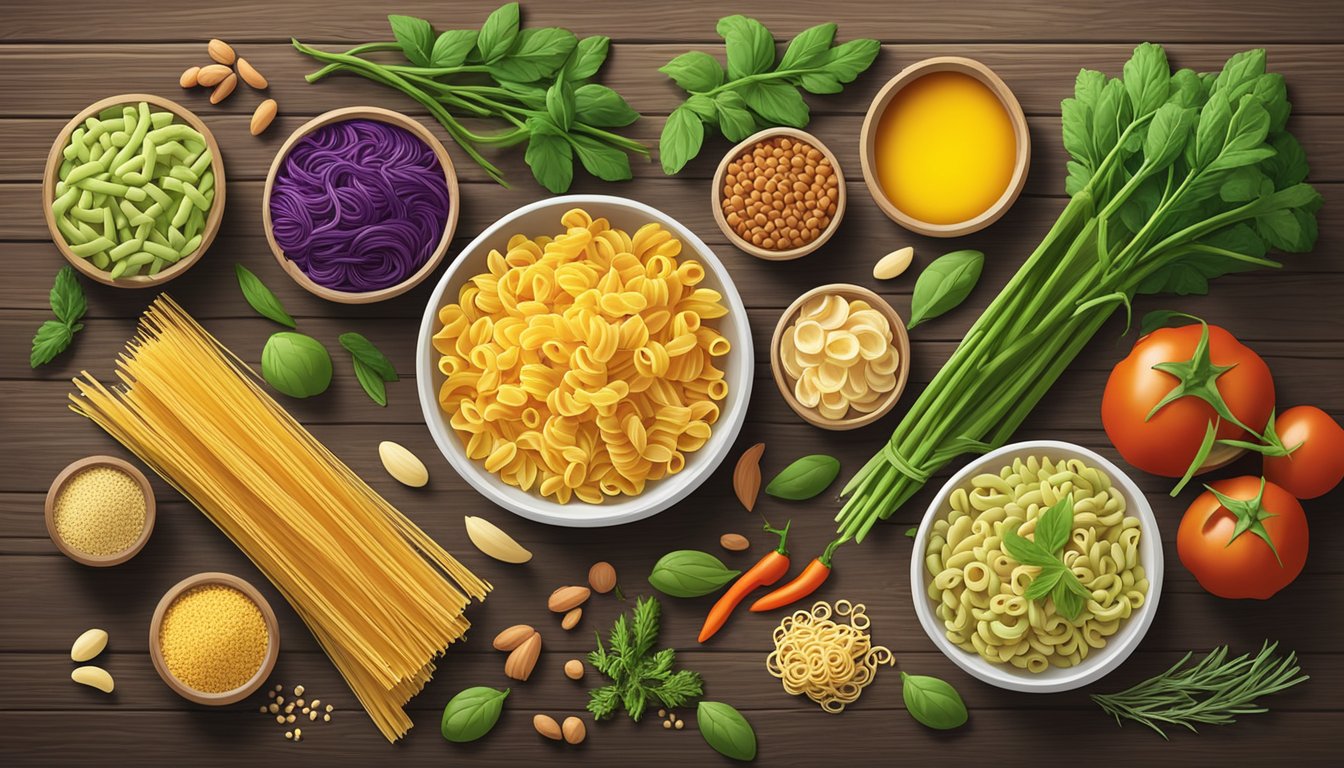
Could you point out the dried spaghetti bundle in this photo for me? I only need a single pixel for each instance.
(381, 597)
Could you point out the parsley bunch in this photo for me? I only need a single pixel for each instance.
(636, 670)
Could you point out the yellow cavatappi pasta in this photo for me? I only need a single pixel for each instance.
(831, 663)
(580, 365)
(980, 589)
(839, 355)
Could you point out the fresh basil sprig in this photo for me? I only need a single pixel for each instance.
(944, 284)
(933, 702)
(472, 713)
(261, 298)
(372, 367)
(1055, 580)
(726, 730)
(690, 573)
(69, 305)
(804, 478)
(753, 92)
(533, 80)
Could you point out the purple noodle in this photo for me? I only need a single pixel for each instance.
(359, 205)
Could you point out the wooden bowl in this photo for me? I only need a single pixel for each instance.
(272, 645)
(868, 145)
(716, 195)
(899, 340)
(212, 219)
(392, 118)
(57, 485)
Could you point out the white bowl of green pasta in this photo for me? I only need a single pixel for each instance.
(975, 599)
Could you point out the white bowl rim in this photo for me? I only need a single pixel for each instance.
(1100, 662)
(663, 493)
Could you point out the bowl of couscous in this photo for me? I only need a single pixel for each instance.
(100, 511)
(214, 639)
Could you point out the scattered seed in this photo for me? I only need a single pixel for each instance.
(289, 718)
(681, 724)
(574, 669)
(312, 715)
(326, 718)
(280, 719)
(263, 709)
(298, 690)
(667, 723)
(662, 713)
(330, 708)
(270, 694)
(289, 734)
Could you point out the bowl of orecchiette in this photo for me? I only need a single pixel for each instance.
(1038, 567)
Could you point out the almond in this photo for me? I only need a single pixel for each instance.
(747, 476)
(574, 669)
(261, 119)
(88, 645)
(566, 599)
(493, 541)
(94, 677)
(546, 726)
(734, 542)
(221, 51)
(188, 78)
(224, 88)
(513, 637)
(402, 465)
(602, 577)
(573, 730)
(212, 75)
(571, 619)
(894, 263)
(523, 659)
(251, 76)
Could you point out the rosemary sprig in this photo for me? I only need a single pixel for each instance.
(1212, 692)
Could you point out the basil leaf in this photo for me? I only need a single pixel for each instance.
(365, 352)
(1044, 583)
(1055, 525)
(549, 156)
(808, 48)
(52, 338)
(587, 58)
(372, 383)
(1147, 78)
(67, 298)
(820, 83)
(260, 298)
(601, 107)
(694, 71)
(804, 478)
(1026, 551)
(779, 103)
(296, 365)
(848, 60)
(452, 47)
(1067, 601)
(539, 53)
(472, 713)
(750, 48)
(944, 284)
(415, 36)
(933, 702)
(601, 160)
(703, 106)
(683, 133)
(735, 121)
(498, 33)
(726, 730)
(690, 573)
(560, 104)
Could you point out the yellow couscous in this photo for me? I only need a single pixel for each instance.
(213, 638)
(100, 511)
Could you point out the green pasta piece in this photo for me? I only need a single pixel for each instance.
(71, 232)
(160, 119)
(173, 149)
(192, 245)
(100, 260)
(196, 197)
(85, 198)
(174, 132)
(155, 236)
(81, 149)
(109, 227)
(64, 169)
(175, 237)
(87, 215)
(155, 266)
(109, 188)
(126, 248)
(134, 164)
(63, 203)
(202, 162)
(85, 171)
(158, 195)
(151, 154)
(206, 185)
(184, 173)
(183, 211)
(87, 249)
(171, 184)
(128, 208)
(194, 224)
(149, 216)
(120, 139)
(104, 141)
(160, 251)
(135, 180)
(111, 112)
(86, 232)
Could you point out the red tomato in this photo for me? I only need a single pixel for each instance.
(1317, 466)
(1244, 566)
(1168, 442)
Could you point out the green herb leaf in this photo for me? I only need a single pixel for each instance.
(933, 702)
(365, 352)
(1044, 584)
(726, 730)
(52, 338)
(602, 702)
(472, 713)
(1055, 525)
(602, 107)
(820, 83)
(498, 34)
(804, 478)
(776, 102)
(67, 298)
(703, 106)
(587, 58)
(808, 48)
(750, 48)
(260, 298)
(944, 284)
(1147, 78)
(452, 47)
(679, 688)
(538, 53)
(416, 38)
(912, 532)
(560, 105)
(372, 383)
(848, 60)
(735, 121)
(636, 671)
(1026, 551)
(549, 156)
(690, 573)
(695, 71)
(296, 365)
(602, 160)
(1068, 603)
(683, 133)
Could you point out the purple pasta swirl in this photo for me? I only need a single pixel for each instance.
(359, 205)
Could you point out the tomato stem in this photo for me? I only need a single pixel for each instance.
(1250, 514)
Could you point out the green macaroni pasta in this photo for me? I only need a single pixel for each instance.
(133, 191)
(980, 589)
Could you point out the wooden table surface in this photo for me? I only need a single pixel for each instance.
(58, 57)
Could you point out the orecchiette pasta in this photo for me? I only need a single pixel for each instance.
(580, 365)
(839, 356)
(980, 589)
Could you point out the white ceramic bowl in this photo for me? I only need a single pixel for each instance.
(543, 217)
(1099, 662)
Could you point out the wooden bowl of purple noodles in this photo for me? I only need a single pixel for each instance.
(360, 204)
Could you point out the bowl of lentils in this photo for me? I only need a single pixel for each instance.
(779, 194)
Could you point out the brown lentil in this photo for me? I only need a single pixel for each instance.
(780, 194)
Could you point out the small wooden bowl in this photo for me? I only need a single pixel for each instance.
(716, 195)
(900, 340)
(391, 118)
(272, 645)
(212, 219)
(868, 145)
(57, 485)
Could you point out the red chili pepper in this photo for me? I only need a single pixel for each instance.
(813, 576)
(765, 572)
